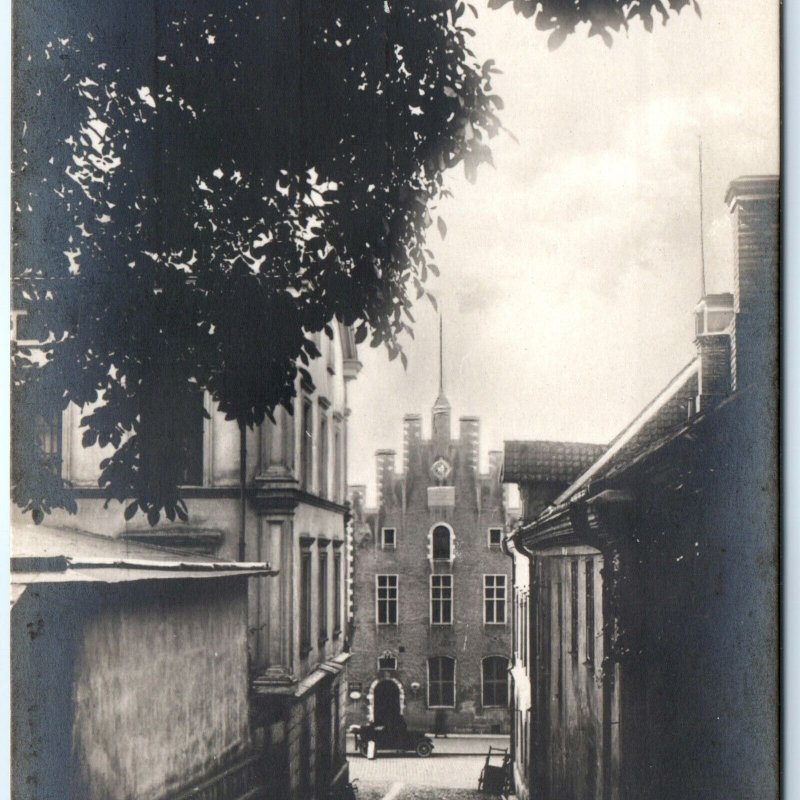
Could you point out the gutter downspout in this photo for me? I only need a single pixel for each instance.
(242, 492)
(510, 555)
(531, 728)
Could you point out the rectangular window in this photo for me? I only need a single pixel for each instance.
(494, 599)
(337, 465)
(590, 611)
(388, 538)
(337, 592)
(573, 608)
(441, 682)
(323, 456)
(323, 596)
(495, 681)
(495, 538)
(386, 599)
(306, 445)
(187, 431)
(441, 599)
(48, 433)
(305, 602)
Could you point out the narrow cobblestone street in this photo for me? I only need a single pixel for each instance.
(451, 773)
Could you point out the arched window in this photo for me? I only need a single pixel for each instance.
(495, 681)
(441, 682)
(441, 543)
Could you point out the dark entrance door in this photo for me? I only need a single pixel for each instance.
(387, 702)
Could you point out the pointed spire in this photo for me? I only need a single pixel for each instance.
(441, 400)
(441, 357)
(702, 243)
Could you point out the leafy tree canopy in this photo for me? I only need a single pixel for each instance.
(199, 186)
(603, 17)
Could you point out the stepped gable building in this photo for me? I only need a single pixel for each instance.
(432, 637)
(295, 517)
(649, 638)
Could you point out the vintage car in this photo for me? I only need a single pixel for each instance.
(391, 737)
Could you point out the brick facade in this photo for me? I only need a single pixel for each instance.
(441, 487)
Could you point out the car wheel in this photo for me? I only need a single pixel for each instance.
(424, 748)
(363, 748)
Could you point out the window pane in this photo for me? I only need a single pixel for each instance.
(337, 591)
(306, 463)
(386, 596)
(187, 427)
(305, 602)
(323, 596)
(323, 456)
(441, 543)
(441, 681)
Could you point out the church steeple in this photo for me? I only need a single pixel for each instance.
(441, 408)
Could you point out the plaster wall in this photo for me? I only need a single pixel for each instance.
(147, 685)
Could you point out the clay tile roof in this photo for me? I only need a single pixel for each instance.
(560, 462)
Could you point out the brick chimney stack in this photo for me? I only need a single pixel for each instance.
(754, 203)
(412, 436)
(384, 477)
(713, 318)
(470, 436)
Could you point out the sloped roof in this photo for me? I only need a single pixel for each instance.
(539, 460)
(41, 554)
(661, 416)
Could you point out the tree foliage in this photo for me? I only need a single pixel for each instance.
(202, 185)
(603, 17)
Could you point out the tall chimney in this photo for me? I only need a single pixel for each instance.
(754, 202)
(469, 434)
(412, 436)
(713, 317)
(384, 478)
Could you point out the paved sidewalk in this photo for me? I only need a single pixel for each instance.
(456, 744)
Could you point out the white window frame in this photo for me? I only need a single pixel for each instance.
(430, 598)
(455, 680)
(489, 542)
(494, 598)
(508, 687)
(385, 546)
(396, 599)
(452, 547)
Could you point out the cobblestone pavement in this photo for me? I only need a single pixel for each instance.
(440, 777)
(451, 773)
(399, 791)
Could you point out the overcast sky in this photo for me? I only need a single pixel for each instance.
(569, 272)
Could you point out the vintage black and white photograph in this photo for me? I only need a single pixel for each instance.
(394, 399)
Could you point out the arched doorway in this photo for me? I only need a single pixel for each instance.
(387, 701)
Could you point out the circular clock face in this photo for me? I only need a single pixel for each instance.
(441, 469)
